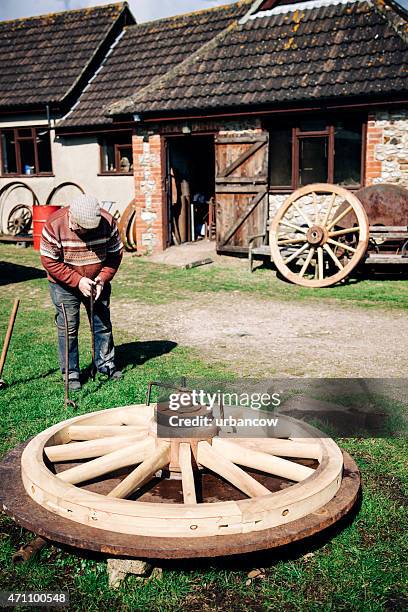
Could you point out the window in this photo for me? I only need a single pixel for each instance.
(313, 166)
(26, 151)
(116, 154)
(281, 154)
(347, 149)
(316, 150)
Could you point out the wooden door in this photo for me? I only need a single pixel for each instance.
(241, 189)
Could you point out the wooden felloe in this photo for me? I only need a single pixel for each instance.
(62, 472)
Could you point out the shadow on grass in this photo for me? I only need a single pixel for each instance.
(380, 272)
(131, 355)
(138, 353)
(11, 273)
(38, 376)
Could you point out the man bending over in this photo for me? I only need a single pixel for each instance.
(81, 251)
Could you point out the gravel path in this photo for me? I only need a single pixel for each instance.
(270, 338)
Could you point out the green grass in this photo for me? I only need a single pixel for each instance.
(159, 284)
(154, 283)
(361, 565)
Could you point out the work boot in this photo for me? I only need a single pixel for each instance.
(111, 372)
(116, 375)
(74, 385)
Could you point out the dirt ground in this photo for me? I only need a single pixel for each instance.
(261, 337)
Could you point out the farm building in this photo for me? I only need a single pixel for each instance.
(45, 64)
(288, 94)
(109, 58)
(238, 105)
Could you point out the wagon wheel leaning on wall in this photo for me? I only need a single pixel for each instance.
(59, 187)
(19, 220)
(20, 215)
(310, 244)
(127, 227)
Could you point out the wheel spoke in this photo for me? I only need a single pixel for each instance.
(209, 458)
(296, 253)
(187, 476)
(341, 245)
(339, 218)
(348, 230)
(307, 262)
(143, 473)
(316, 212)
(108, 463)
(330, 208)
(87, 450)
(92, 432)
(320, 263)
(333, 256)
(302, 214)
(293, 226)
(262, 461)
(292, 240)
(283, 448)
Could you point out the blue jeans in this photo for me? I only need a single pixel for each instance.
(104, 347)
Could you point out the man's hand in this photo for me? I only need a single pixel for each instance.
(85, 286)
(99, 288)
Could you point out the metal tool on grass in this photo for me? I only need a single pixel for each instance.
(7, 340)
(68, 402)
(29, 551)
(92, 324)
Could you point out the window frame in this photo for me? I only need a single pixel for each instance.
(33, 138)
(116, 152)
(297, 135)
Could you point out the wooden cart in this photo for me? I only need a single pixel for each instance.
(322, 232)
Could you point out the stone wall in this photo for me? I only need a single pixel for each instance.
(275, 202)
(387, 148)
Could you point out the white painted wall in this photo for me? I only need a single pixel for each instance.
(75, 159)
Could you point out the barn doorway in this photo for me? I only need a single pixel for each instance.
(190, 188)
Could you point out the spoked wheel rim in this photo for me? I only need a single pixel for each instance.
(19, 220)
(125, 439)
(309, 244)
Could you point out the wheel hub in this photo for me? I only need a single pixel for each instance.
(316, 235)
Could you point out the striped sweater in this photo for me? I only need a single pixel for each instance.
(68, 256)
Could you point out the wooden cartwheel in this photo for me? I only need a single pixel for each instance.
(76, 483)
(309, 244)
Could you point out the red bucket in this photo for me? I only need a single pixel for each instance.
(41, 214)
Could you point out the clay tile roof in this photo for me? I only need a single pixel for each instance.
(312, 51)
(42, 58)
(145, 52)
